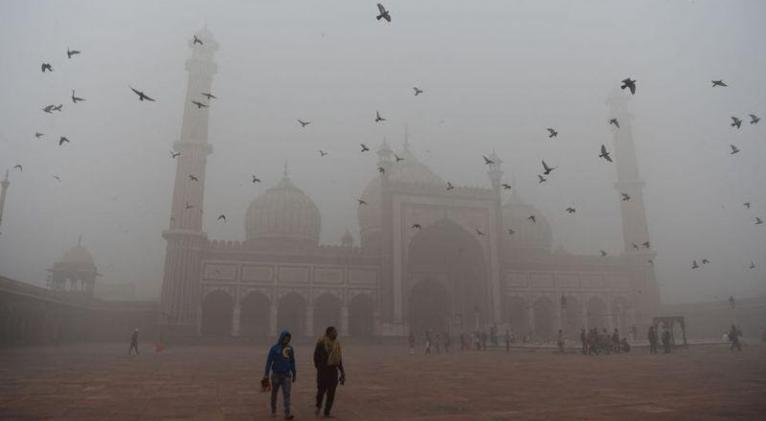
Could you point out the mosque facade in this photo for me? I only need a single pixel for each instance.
(428, 257)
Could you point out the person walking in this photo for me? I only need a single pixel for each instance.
(412, 342)
(281, 364)
(652, 336)
(133, 342)
(507, 340)
(734, 335)
(666, 336)
(328, 362)
(583, 342)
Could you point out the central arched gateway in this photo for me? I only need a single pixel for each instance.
(448, 285)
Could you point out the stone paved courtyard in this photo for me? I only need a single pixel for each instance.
(98, 382)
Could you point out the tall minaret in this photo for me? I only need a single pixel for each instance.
(180, 298)
(635, 230)
(4, 184)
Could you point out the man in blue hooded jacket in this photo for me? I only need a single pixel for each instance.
(281, 364)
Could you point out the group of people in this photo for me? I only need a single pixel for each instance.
(280, 371)
(593, 342)
(435, 342)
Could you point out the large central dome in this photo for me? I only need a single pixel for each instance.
(283, 216)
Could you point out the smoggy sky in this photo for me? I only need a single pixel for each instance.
(496, 74)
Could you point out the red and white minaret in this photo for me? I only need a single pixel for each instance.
(180, 297)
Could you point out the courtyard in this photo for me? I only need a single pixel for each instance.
(203, 382)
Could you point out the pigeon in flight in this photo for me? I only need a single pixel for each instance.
(754, 119)
(506, 186)
(758, 220)
(646, 244)
(256, 179)
(383, 13)
(614, 122)
(39, 135)
(141, 96)
(546, 169)
(48, 109)
(735, 122)
(70, 53)
(199, 104)
(752, 265)
(630, 84)
(571, 210)
(193, 177)
(479, 233)
(378, 118)
(63, 140)
(46, 66)
(487, 160)
(734, 150)
(695, 265)
(58, 107)
(625, 197)
(541, 178)
(450, 186)
(398, 158)
(18, 167)
(197, 41)
(57, 178)
(361, 202)
(603, 253)
(416, 226)
(552, 133)
(364, 147)
(209, 96)
(705, 261)
(221, 217)
(322, 153)
(635, 246)
(175, 155)
(511, 232)
(719, 82)
(188, 206)
(746, 204)
(604, 154)
(417, 90)
(76, 99)
(532, 218)
(381, 170)
(304, 123)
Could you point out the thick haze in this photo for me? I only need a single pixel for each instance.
(495, 75)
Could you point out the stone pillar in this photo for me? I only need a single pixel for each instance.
(310, 321)
(344, 320)
(273, 320)
(235, 319)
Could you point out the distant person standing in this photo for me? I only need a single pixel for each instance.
(734, 335)
(281, 364)
(616, 340)
(583, 342)
(447, 342)
(133, 342)
(438, 342)
(666, 340)
(652, 337)
(328, 362)
(428, 342)
(560, 341)
(507, 340)
(412, 342)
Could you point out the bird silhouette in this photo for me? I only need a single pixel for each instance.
(378, 118)
(199, 104)
(174, 155)
(511, 231)
(70, 53)
(754, 119)
(46, 66)
(18, 167)
(532, 218)
(746, 204)
(734, 150)
(416, 226)
(705, 261)
(398, 158)
(695, 265)
(322, 153)
(39, 135)
(193, 177)
(197, 41)
(571, 210)
(381, 170)
(221, 217)
(625, 197)
(604, 154)
(255, 179)
(506, 186)
(141, 96)
(487, 161)
(735, 122)
(63, 140)
(541, 179)
(552, 133)
(646, 244)
(209, 96)
(546, 169)
(48, 108)
(188, 206)
(58, 107)
(76, 99)
(304, 123)
(364, 147)
(758, 220)
(417, 90)
(635, 246)
(752, 265)
(479, 232)
(361, 202)
(383, 13)
(719, 82)
(57, 178)
(603, 253)
(614, 122)
(630, 84)
(450, 186)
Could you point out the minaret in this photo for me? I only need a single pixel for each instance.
(495, 174)
(4, 184)
(180, 298)
(635, 229)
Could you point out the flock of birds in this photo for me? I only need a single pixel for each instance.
(384, 14)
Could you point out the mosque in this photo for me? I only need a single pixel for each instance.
(428, 257)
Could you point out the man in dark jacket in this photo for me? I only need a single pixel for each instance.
(281, 364)
(328, 361)
(133, 342)
(652, 336)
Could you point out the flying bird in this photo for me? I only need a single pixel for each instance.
(603, 253)
(746, 204)
(506, 186)
(758, 220)
(221, 217)
(614, 122)
(256, 179)
(635, 246)
(378, 118)
(416, 226)
(383, 13)
(70, 53)
(46, 66)
(199, 104)
(604, 154)
(188, 206)
(76, 99)
(48, 108)
(646, 244)
(532, 218)
(630, 84)
(487, 161)
(695, 265)
(322, 153)
(57, 178)
(552, 133)
(734, 150)
(381, 170)
(754, 119)
(197, 41)
(625, 197)
(571, 210)
(705, 261)
(175, 155)
(546, 169)
(450, 186)
(752, 265)
(209, 96)
(719, 82)
(478, 232)
(541, 178)
(511, 232)
(18, 167)
(63, 140)
(141, 96)
(364, 147)
(39, 135)
(304, 123)
(735, 122)
(58, 107)
(193, 177)
(417, 90)
(398, 158)
(361, 202)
